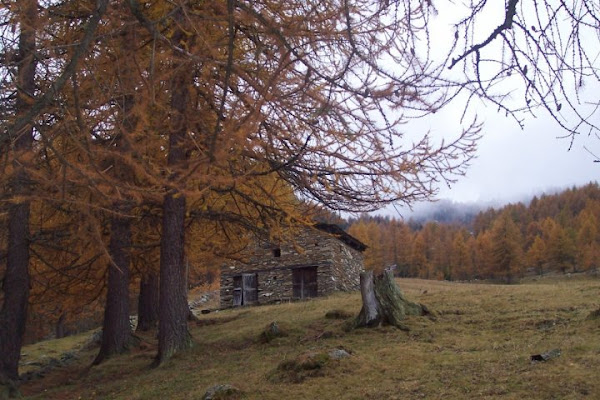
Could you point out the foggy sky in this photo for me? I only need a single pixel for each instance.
(512, 163)
(515, 164)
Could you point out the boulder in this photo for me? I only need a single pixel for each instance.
(272, 331)
(222, 391)
(338, 354)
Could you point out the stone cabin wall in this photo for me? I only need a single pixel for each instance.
(338, 266)
(346, 267)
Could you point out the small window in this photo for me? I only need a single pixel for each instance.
(277, 252)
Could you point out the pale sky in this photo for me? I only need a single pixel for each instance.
(514, 163)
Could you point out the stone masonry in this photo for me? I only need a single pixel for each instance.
(276, 268)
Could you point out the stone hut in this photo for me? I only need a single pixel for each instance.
(318, 261)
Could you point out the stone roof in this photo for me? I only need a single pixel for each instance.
(342, 235)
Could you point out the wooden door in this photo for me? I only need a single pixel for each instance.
(304, 282)
(250, 288)
(245, 289)
(237, 291)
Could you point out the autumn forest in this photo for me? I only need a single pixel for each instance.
(553, 233)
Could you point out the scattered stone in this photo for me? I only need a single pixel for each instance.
(205, 298)
(338, 354)
(272, 331)
(547, 356)
(47, 364)
(338, 314)
(133, 320)
(222, 392)
(68, 357)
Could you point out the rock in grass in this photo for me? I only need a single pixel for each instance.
(223, 391)
(272, 331)
(547, 356)
(338, 354)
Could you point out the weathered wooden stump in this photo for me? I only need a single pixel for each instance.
(384, 303)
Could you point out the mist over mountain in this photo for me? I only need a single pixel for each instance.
(451, 211)
(446, 211)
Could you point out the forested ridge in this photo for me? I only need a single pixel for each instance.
(557, 232)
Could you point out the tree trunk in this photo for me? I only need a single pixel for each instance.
(117, 336)
(59, 331)
(13, 314)
(173, 334)
(370, 310)
(384, 303)
(148, 302)
(116, 329)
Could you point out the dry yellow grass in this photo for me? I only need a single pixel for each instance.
(479, 347)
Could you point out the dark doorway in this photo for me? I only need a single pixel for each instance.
(245, 289)
(304, 281)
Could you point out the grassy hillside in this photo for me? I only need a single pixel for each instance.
(479, 347)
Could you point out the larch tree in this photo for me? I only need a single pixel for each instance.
(402, 248)
(420, 264)
(561, 249)
(173, 333)
(461, 262)
(298, 92)
(506, 252)
(588, 243)
(15, 283)
(537, 255)
(31, 96)
(116, 330)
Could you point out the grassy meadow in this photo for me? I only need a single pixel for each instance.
(479, 347)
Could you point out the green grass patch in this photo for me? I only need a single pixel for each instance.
(479, 347)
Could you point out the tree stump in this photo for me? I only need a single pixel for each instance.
(384, 303)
